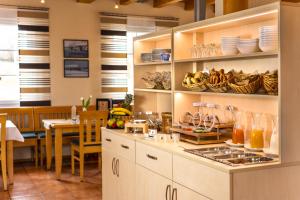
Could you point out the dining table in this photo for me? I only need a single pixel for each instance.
(12, 134)
(59, 127)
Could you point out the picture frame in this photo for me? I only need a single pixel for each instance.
(76, 48)
(76, 68)
(103, 104)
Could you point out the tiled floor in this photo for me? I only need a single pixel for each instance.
(38, 184)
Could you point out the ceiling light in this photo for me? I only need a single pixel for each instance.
(43, 1)
(116, 5)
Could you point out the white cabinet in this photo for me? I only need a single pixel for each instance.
(205, 180)
(109, 180)
(126, 179)
(180, 192)
(151, 186)
(118, 167)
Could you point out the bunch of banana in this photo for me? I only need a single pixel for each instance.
(120, 111)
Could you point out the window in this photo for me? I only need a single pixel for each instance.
(9, 67)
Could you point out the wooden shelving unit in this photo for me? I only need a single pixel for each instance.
(234, 57)
(245, 24)
(262, 96)
(151, 99)
(152, 63)
(153, 90)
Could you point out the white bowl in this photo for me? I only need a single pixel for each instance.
(229, 52)
(266, 48)
(245, 48)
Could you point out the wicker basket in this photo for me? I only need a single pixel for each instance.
(199, 87)
(150, 84)
(220, 87)
(251, 88)
(270, 84)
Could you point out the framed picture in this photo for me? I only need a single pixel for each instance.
(103, 104)
(76, 48)
(76, 68)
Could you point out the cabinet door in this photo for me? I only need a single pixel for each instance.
(109, 180)
(126, 179)
(150, 186)
(182, 193)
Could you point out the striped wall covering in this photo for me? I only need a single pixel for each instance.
(117, 32)
(34, 60)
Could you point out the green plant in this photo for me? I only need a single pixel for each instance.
(127, 101)
(85, 103)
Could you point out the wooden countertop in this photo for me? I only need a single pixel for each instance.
(178, 149)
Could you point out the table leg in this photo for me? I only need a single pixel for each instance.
(48, 148)
(58, 152)
(10, 161)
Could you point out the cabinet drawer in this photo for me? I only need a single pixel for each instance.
(207, 181)
(125, 148)
(154, 159)
(108, 140)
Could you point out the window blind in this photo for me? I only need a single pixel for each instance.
(117, 32)
(34, 62)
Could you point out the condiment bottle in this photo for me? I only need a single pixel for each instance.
(257, 133)
(73, 113)
(238, 129)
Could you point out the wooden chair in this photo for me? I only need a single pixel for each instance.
(48, 112)
(89, 138)
(3, 149)
(23, 119)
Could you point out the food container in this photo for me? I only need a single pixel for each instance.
(146, 57)
(165, 57)
(161, 51)
(166, 121)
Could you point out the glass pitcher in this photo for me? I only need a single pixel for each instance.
(238, 129)
(257, 132)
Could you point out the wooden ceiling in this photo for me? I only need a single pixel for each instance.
(85, 1)
(188, 4)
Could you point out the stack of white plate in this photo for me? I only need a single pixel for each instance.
(268, 38)
(229, 45)
(246, 46)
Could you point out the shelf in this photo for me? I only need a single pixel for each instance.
(263, 96)
(237, 19)
(153, 90)
(232, 57)
(152, 63)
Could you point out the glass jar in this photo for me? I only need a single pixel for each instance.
(166, 121)
(257, 132)
(238, 129)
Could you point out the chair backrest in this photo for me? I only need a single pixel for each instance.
(3, 117)
(49, 112)
(90, 127)
(21, 117)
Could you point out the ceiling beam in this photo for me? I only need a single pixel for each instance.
(85, 1)
(125, 2)
(189, 4)
(163, 3)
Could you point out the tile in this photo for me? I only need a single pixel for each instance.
(36, 183)
(4, 195)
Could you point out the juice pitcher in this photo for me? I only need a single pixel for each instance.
(257, 132)
(238, 129)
